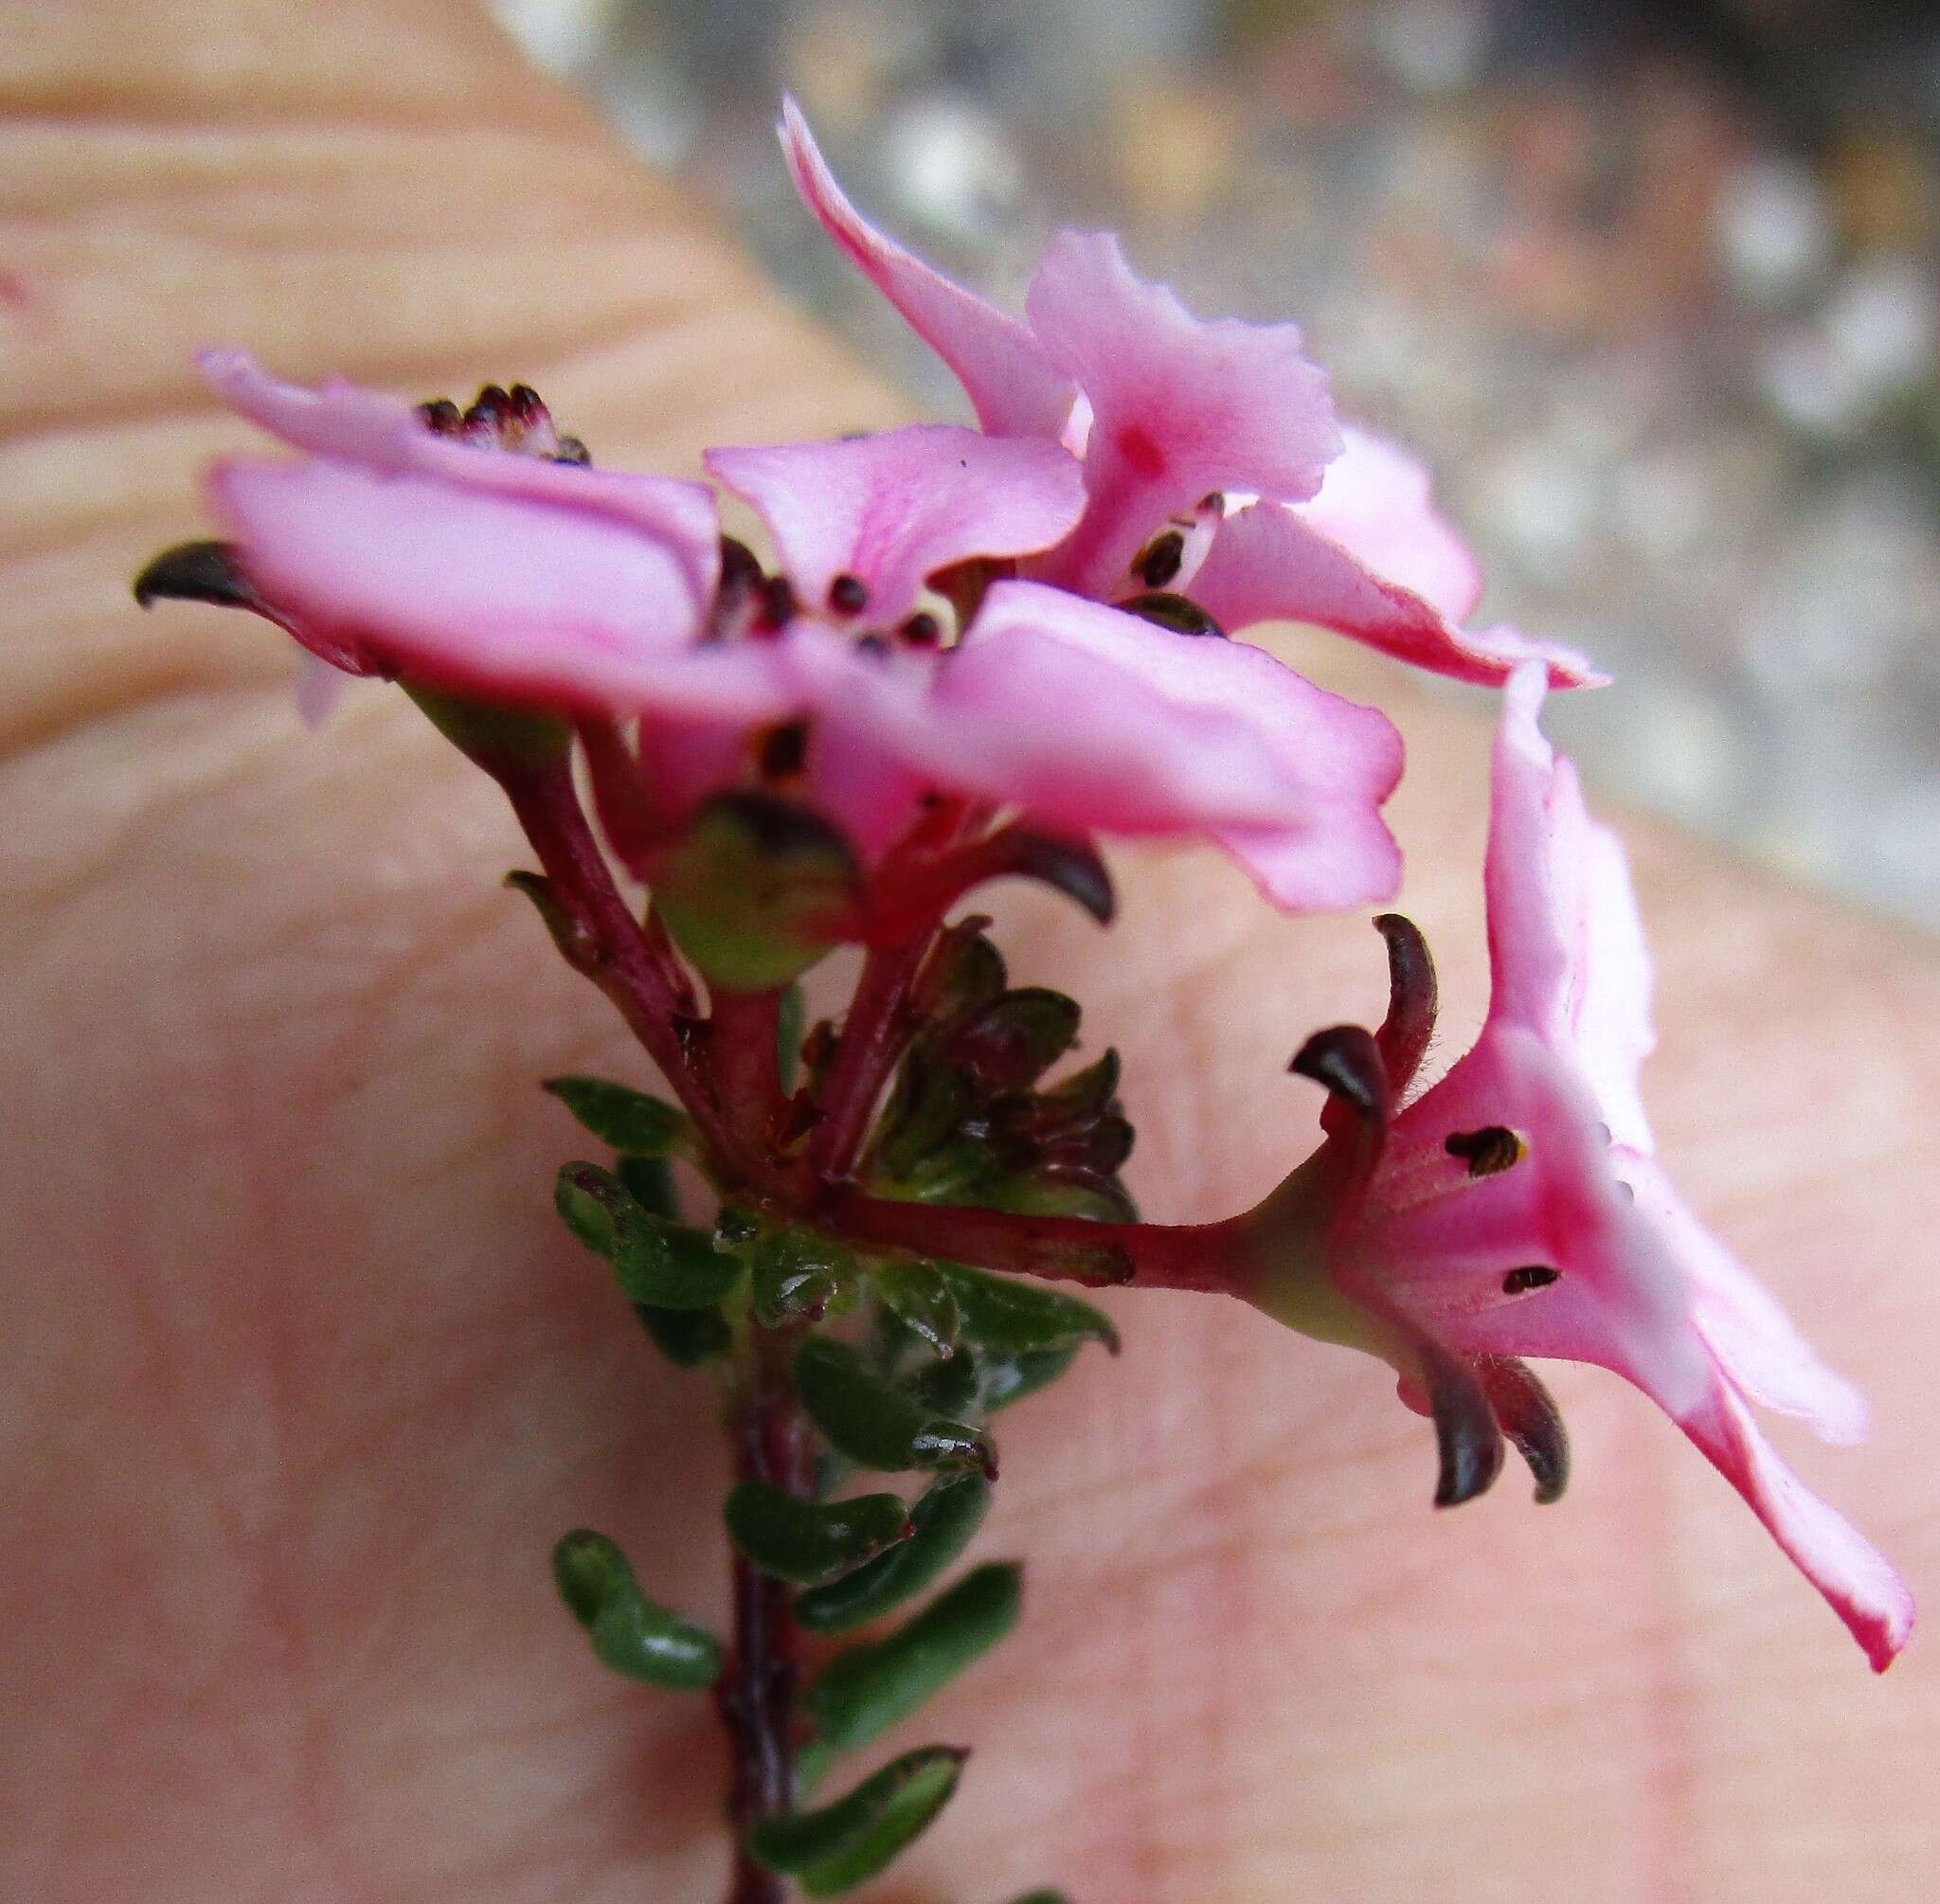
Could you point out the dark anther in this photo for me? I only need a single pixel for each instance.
(1161, 559)
(441, 416)
(740, 573)
(1487, 1152)
(922, 630)
(572, 451)
(524, 404)
(1213, 503)
(778, 603)
(1346, 1060)
(847, 595)
(1174, 612)
(1536, 1276)
(490, 407)
(783, 751)
(873, 646)
(196, 571)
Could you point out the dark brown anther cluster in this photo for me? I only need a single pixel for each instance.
(515, 420)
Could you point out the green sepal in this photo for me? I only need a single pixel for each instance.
(875, 1423)
(630, 1634)
(665, 1266)
(864, 1692)
(796, 1272)
(757, 891)
(846, 1843)
(497, 739)
(809, 1544)
(633, 1122)
(917, 1295)
(791, 1023)
(944, 1520)
(1013, 1316)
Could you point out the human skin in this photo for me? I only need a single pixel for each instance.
(301, 1379)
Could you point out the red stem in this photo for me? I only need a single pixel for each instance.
(743, 1052)
(1197, 1256)
(873, 1038)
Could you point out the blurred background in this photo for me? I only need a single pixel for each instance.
(1655, 285)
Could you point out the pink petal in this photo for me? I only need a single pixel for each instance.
(1375, 501)
(890, 509)
(1180, 407)
(1090, 719)
(385, 435)
(1566, 948)
(1271, 564)
(480, 591)
(1012, 385)
(1858, 1583)
(1753, 1340)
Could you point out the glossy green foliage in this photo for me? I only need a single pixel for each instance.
(663, 1265)
(846, 1843)
(757, 889)
(629, 1632)
(1012, 1314)
(868, 1689)
(876, 1423)
(810, 1543)
(920, 1297)
(796, 1272)
(633, 1122)
(943, 1523)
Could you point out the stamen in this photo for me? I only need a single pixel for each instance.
(441, 416)
(1487, 1152)
(490, 409)
(922, 630)
(571, 450)
(847, 595)
(1174, 612)
(524, 404)
(1537, 1276)
(778, 605)
(1161, 560)
(782, 753)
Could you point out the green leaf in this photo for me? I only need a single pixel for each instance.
(875, 1423)
(796, 1272)
(929, 1101)
(847, 1842)
(918, 1296)
(1004, 1380)
(665, 1266)
(810, 1544)
(757, 891)
(633, 1122)
(964, 971)
(1012, 1314)
(687, 1338)
(650, 1183)
(629, 1632)
(945, 1519)
(868, 1689)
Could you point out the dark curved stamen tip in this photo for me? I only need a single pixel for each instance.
(847, 595)
(1487, 1152)
(1161, 558)
(778, 603)
(922, 630)
(571, 450)
(197, 571)
(782, 752)
(1413, 1000)
(491, 407)
(1528, 1414)
(1536, 1276)
(1174, 612)
(1469, 1443)
(1347, 1062)
(524, 404)
(441, 416)
(1070, 868)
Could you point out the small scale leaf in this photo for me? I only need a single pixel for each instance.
(665, 1266)
(875, 1423)
(687, 1338)
(568, 932)
(796, 1272)
(633, 1122)
(1012, 1314)
(945, 1519)
(964, 971)
(864, 1692)
(791, 1016)
(496, 738)
(1004, 1380)
(1013, 1041)
(810, 1544)
(930, 1098)
(1066, 1192)
(917, 1294)
(847, 1842)
(630, 1634)
(650, 1183)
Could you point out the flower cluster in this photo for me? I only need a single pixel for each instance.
(966, 653)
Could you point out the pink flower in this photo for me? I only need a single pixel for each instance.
(1516, 1209)
(1169, 411)
(388, 548)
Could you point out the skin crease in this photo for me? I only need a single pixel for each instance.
(301, 1377)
